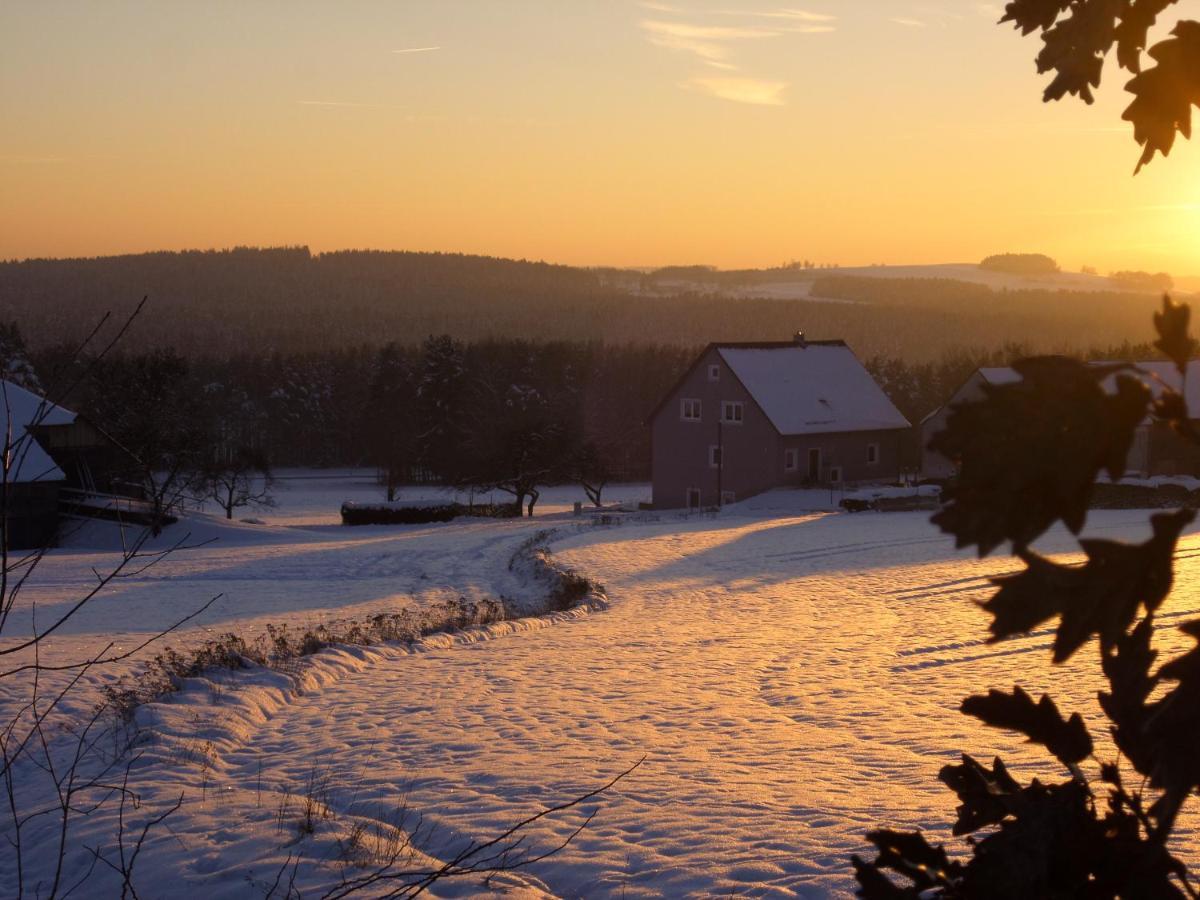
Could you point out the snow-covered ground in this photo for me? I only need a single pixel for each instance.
(790, 678)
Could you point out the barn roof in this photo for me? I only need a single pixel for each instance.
(1156, 374)
(812, 388)
(25, 410)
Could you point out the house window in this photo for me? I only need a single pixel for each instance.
(732, 412)
(693, 498)
(835, 474)
(872, 454)
(714, 457)
(689, 410)
(714, 373)
(790, 460)
(728, 497)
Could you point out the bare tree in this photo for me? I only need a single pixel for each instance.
(54, 768)
(243, 478)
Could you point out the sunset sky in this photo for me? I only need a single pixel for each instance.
(578, 131)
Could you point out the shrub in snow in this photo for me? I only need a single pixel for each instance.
(421, 512)
(1030, 453)
(280, 646)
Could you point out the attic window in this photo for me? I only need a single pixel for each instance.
(714, 373)
(732, 412)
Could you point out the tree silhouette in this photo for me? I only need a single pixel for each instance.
(1077, 37)
(1029, 454)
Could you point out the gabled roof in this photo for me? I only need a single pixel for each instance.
(27, 410)
(1156, 374)
(812, 388)
(816, 387)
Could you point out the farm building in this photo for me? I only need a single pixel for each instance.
(748, 417)
(1156, 449)
(56, 461)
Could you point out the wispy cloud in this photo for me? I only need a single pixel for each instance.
(754, 91)
(416, 49)
(908, 23)
(701, 34)
(5, 159)
(709, 42)
(791, 15)
(348, 103)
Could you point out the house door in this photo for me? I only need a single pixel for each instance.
(814, 464)
(693, 498)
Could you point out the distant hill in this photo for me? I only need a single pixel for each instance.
(798, 284)
(288, 300)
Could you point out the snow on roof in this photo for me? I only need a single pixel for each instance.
(1155, 374)
(29, 461)
(999, 374)
(813, 388)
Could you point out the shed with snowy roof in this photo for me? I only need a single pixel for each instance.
(747, 417)
(1156, 450)
(34, 479)
(54, 460)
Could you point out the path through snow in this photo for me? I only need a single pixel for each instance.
(792, 682)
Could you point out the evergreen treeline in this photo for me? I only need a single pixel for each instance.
(250, 302)
(425, 411)
(431, 411)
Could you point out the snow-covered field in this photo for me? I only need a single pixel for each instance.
(791, 680)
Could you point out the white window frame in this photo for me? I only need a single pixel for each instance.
(872, 454)
(791, 459)
(737, 407)
(691, 404)
(714, 372)
(716, 456)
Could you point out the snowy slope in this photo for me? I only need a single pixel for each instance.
(791, 680)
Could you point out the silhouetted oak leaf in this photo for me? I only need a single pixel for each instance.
(1055, 847)
(1170, 407)
(1133, 30)
(874, 885)
(1126, 664)
(987, 796)
(1098, 598)
(1074, 49)
(1029, 452)
(1174, 339)
(1034, 15)
(908, 853)
(1164, 93)
(1173, 728)
(1040, 722)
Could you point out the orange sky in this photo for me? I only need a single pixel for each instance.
(578, 131)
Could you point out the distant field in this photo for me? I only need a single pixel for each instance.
(799, 286)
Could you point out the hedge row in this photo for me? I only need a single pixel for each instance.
(357, 514)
